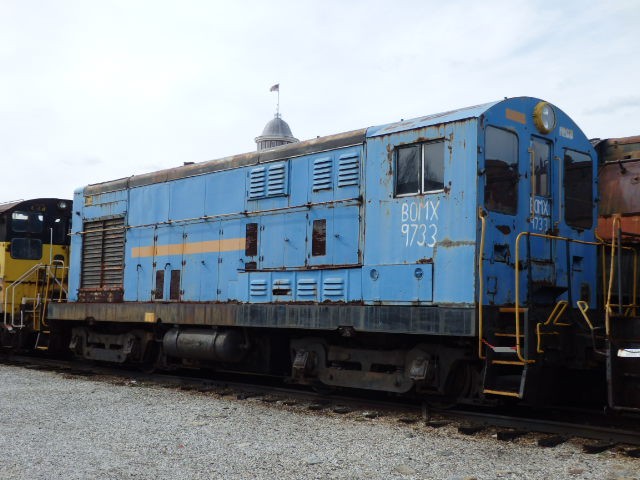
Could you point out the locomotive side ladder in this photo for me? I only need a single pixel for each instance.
(622, 323)
(500, 341)
(512, 342)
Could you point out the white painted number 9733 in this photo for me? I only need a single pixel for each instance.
(419, 234)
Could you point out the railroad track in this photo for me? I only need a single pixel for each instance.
(596, 430)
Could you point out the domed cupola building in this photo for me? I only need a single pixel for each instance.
(276, 132)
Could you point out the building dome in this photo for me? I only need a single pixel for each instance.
(276, 132)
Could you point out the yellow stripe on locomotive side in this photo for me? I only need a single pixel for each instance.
(210, 246)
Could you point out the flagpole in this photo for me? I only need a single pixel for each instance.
(276, 88)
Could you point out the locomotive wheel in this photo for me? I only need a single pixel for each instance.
(460, 381)
(151, 359)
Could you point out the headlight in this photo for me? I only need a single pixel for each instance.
(544, 117)
(62, 205)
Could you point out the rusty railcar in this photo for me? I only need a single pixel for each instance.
(619, 225)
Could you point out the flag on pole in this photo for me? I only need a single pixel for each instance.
(275, 88)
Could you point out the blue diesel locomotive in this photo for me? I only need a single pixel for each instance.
(452, 255)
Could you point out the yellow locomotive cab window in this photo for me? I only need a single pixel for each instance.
(26, 249)
(27, 222)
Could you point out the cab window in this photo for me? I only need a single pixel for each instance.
(501, 171)
(60, 231)
(578, 189)
(27, 222)
(26, 249)
(541, 166)
(419, 168)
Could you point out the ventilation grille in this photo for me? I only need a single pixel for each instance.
(333, 287)
(281, 286)
(267, 182)
(307, 287)
(348, 170)
(103, 253)
(322, 173)
(258, 288)
(276, 180)
(257, 181)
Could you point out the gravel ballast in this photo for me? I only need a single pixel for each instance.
(55, 426)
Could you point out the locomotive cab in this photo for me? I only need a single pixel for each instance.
(537, 255)
(33, 267)
(486, 215)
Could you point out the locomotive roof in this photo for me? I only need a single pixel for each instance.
(428, 120)
(4, 207)
(17, 204)
(306, 147)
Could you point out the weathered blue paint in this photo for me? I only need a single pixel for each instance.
(380, 248)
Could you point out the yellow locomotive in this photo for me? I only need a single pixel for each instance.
(34, 258)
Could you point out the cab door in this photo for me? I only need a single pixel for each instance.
(542, 253)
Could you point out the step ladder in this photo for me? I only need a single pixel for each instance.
(513, 348)
(42, 340)
(506, 361)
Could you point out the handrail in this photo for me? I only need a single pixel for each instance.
(554, 316)
(584, 307)
(51, 278)
(54, 277)
(13, 286)
(607, 309)
(630, 307)
(517, 274)
(482, 215)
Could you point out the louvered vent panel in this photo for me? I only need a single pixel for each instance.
(333, 287)
(282, 286)
(348, 170)
(258, 288)
(307, 287)
(103, 253)
(257, 180)
(322, 173)
(276, 180)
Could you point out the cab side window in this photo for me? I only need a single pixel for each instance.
(578, 189)
(501, 171)
(27, 222)
(419, 168)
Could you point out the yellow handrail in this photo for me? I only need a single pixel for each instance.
(554, 316)
(517, 273)
(630, 307)
(607, 310)
(584, 307)
(482, 215)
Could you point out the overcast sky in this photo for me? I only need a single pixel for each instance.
(96, 90)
